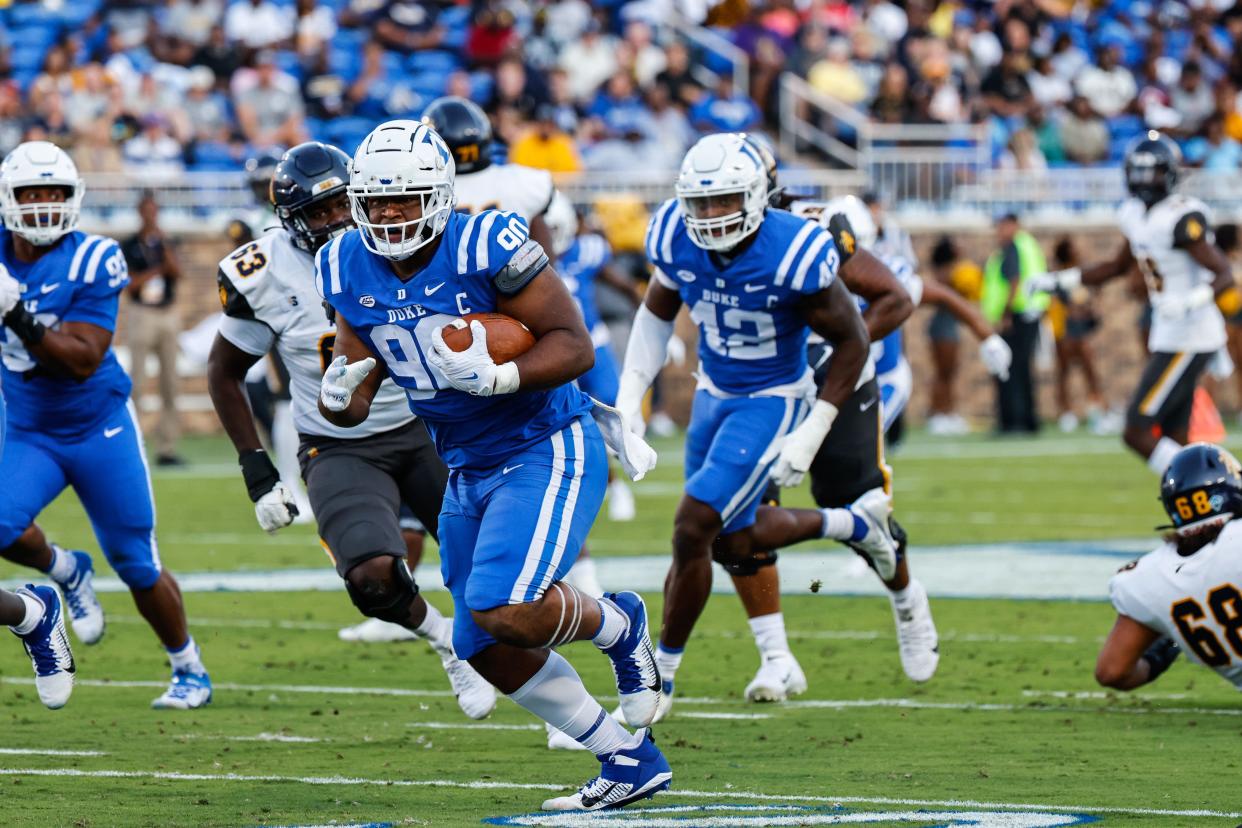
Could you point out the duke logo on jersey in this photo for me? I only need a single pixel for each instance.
(755, 385)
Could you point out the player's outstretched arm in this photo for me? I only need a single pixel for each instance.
(563, 350)
(646, 350)
(993, 350)
(74, 350)
(1133, 655)
(833, 314)
(226, 384)
(351, 381)
(1096, 274)
(888, 303)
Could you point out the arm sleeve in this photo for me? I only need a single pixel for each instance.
(96, 298)
(249, 335)
(646, 350)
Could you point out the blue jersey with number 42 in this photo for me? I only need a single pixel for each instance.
(78, 280)
(396, 318)
(752, 332)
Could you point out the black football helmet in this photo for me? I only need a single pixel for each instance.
(1201, 487)
(1153, 166)
(259, 171)
(466, 130)
(309, 174)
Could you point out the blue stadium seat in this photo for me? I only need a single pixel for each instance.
(1126, 126)
(27, 56)
(481, 86)
(433, 60)
(288, 61)
(1117, 147)
(26, 14)
(345, 61)
(456, 23)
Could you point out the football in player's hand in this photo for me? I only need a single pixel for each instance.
(507, 338)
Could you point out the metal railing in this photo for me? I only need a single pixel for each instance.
(707, 41)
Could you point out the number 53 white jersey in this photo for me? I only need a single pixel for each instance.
(267, 289)
(1195, 600)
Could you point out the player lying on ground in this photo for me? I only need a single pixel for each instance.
(69, 416)
(1189, 283)
(356, 478)
(1184, 596)
(514, 434)
(756, 281)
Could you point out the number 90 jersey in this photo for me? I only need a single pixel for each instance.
(752, 335)
(1195, 600)
(267, 290)
(1158, 239)
(78, 279)
(477, 260)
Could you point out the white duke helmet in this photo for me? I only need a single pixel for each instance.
(859, 216)
(562, 221)
(40, 164)
(721, 165)
(402, 158)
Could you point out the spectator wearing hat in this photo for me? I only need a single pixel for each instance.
(152, 323)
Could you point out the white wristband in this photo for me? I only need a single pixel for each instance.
(507, 379)
(819, 421)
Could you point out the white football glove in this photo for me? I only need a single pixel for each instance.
(473, 369)
(794, 453)
(630, 402)
(636, 457)
(10, 291)
(996, 356)
(339, 381)
(1067, 280)
(276, 509)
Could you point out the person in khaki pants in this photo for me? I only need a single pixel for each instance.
(153, 323)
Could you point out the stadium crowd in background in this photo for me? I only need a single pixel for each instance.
(157, 87)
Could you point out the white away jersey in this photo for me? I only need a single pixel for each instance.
(1158, 238)
(267, 288)
(1195, 600)
(510, 188)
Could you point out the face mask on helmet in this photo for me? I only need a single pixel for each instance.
(319, 222)
(1201, 489)
(397, 226)
(40, 193)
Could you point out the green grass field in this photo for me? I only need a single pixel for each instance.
(306, 729)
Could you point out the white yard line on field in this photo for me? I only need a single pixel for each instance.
(481, 784)
(707, 701)
(471, 726)
(1101, 694)
(44, 752)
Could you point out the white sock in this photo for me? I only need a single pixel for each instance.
(64, 565)
(437, 629)
(842, 525)
(1162, 455)
(613, 624)
(188, 658)
(668, 659)
(902, 596)
(584, 577)
(34, 614)
(556, 695)
(769, 632)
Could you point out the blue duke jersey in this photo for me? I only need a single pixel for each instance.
(78, 280)
(578, 266)
(752, 332)
(396, 320)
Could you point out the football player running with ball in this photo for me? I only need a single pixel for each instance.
(757, 281)
(1185, 595)
(357, 477)
(1189, 284)
(70, 419)
(527, 462)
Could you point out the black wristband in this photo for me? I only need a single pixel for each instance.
(23, 323)
(259, 473)
(1159, 656)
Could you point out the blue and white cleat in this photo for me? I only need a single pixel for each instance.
(878, 546)
(633, 662)
(86, 616)
(187, 691)
(627, 776)
(48, 647)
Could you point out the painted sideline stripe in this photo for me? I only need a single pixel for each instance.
(528, 786)
(701, 701)
(43, 752)
(1076, 571)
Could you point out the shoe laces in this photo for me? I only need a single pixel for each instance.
(46, 655)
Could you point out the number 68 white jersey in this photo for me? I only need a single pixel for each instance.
(1195, 600)
(267, 288)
